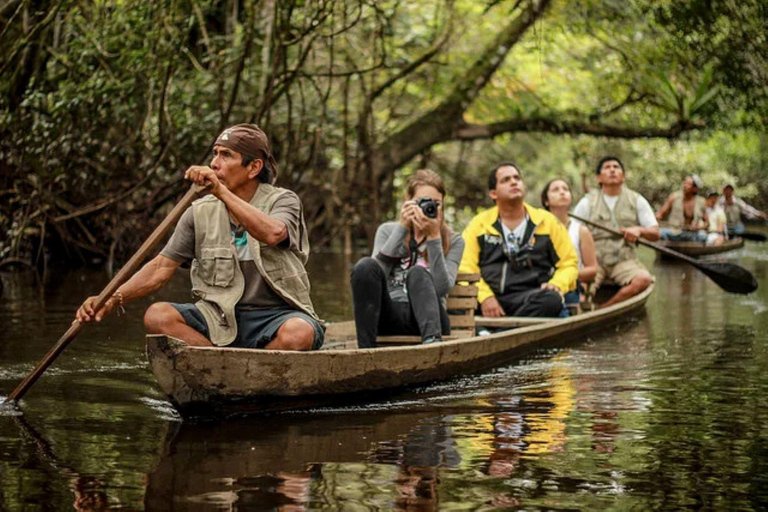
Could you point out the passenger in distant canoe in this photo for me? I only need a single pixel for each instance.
(247, 245)
(402, 288)
(718, 223)
(618, 207)
(735, 208)
(523, 254)
(557, 198)
(685, 212)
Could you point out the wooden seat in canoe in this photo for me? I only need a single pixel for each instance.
(462, 303)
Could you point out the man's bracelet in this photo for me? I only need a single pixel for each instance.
(118, 295)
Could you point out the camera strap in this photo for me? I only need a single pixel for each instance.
(413, 249)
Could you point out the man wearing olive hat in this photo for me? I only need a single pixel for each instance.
(246, 243)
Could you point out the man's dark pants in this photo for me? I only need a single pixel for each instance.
(535, 302)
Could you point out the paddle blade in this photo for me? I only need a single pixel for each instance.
(755, 237)
(731, 278)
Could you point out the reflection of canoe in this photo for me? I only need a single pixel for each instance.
(200, 378)
(225, 463)
(696, 249)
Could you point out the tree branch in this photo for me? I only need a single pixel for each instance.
(437, 124)
(414, 65)
(468, 132)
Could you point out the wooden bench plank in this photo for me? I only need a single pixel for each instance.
(471, 278)
(510, 321)
(463, 291)
(462, 320)
(469, 303)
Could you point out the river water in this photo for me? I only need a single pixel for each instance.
(666, 410)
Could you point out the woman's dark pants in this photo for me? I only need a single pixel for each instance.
(377, 314)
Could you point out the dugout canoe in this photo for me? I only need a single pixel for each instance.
(696, 249)
(208, 380)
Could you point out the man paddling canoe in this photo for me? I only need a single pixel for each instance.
(617, 206)
(247, 246)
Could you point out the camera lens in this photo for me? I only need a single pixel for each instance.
(428, 206)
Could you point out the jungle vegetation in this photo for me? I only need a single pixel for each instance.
(103, 104)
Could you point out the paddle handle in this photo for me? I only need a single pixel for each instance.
(122, 276)
(640, 241)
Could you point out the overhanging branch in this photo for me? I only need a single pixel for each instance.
(435, 126)
(467, 131)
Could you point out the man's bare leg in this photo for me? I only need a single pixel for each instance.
(162, 318)
(294, 334)
(637, 285)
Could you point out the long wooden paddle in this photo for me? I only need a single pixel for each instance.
(731, 278)
(750, 235)
(122, 276)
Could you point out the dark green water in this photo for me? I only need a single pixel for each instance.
(668, 410)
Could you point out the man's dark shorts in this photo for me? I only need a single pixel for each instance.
(255, 327)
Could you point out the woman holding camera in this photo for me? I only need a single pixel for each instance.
(402, 289)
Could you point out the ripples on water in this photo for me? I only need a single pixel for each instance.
(667, 410)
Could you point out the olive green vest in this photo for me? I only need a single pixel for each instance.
(215, 272)
(676, 219)
(609, 248)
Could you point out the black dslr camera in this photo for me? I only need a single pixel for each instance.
(428, 206)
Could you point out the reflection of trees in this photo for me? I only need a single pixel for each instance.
(89, 491)
(709, 418)
(686, 298)
(608, 403)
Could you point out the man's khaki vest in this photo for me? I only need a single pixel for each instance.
(732, 214)
(215, 272)
(676, 218)
(610, 249)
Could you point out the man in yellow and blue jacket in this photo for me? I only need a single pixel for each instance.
(524, 254)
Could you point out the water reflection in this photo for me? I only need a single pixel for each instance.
(665, 411)
(88, 491)
(277, 461)
(413, 460)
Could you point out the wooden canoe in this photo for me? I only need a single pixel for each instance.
(696, 249)
(206, 380)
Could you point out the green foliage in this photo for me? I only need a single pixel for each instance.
(102, 105)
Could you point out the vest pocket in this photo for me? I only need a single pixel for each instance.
(217, 266)
(627, 217)
(272, 259)
(294, 283)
